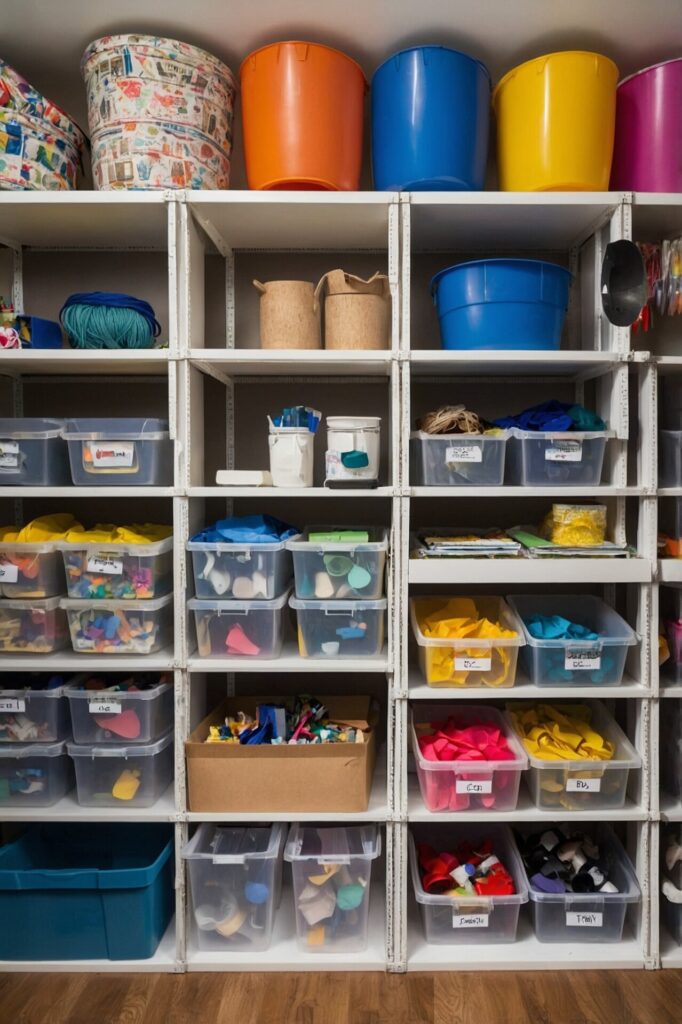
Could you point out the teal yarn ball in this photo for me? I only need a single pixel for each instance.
(106, 327)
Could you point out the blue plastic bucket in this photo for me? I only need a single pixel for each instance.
(501, 303)
(430, 121)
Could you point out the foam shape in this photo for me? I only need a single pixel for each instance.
(243, 588)
(220, 580)
(260, 585)
(324, 588)
(316, 936)
(349, 897)
(237, 642)
(320, 908)
(359, 577)
(126, 724)
(256, 892)
(126, 785)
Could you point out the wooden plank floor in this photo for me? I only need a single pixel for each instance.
(543, 997)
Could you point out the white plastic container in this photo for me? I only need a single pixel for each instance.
(340, 629)
(332, 872)
(120, 452)
(33, 453)
(110, 716)
(35, 626)
(457, 460)
(118, 571)
(135, 775)
(119, 627)
(471, 920)
(291, 456)
(670, 458)
(235, 877)
(30, 715)
(467, 785)
(588, 917)
(33, 774)
(467, 662)
(347, 434)
(240, 571)
(30, 570)
(574, 662)
(585, 785)
(570, 458)
(339, 570)
(239, 629)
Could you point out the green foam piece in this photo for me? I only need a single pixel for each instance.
(340, 537)
(349, 897)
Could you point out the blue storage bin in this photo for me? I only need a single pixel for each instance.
(86, 892)
(430, 121)
(501, 304)
(43, 333)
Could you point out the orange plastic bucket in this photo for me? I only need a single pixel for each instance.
(303, 107)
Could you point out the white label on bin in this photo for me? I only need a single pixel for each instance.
(12, 705)
(581, 661)
(104, 707)
(111, 455)
(564, 451)
(574, 919)
(105, 564)
(583, 785)
(8, 573)
(464, 664)
(464, 453)
(469, 920)
(473, 786)
(9, 454)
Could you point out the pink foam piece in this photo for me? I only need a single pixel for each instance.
(237, 642)
(126, 724)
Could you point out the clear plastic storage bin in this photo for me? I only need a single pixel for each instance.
(585, 785)
(574, 662)
(671, 747)
(125, 776)
(340, 570)
(108, 716)
(671, 670)
(340, 629)
(34, 774)
(32, 626)
(120, 452)
(235, 877)
(467, 785)
(30, 570)
(239, 629)
(30, 715)
(332, 871)
(479, 920)
(33, 453)
(457, 460)
(556, 459)
(468, 662)
(588, 917)
(672, 909)
(232, 571)
(119, 627)
(670, 517)
(670, 458)
(123, 571)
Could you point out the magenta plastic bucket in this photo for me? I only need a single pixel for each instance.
(648, 150)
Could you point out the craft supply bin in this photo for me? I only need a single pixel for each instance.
(86, 891)
(238, 629)
(135, 775)
(30, 570)
(95, 626)
(672, 910)
(585, 785)
(467, 785)
(574, 662)
(339, 570)
(29, 711)
(670, 523)
(33, 453)
(118, 571)
(457, 921)
(108, 716)
(588, 917)
(235, 877)
(671, 748)
(482, 662)
(340, 629)
(220, 567)
(32, 626)
(457, 460)
(670, 458)
(119, 452)
(42, 768)
(569, 458)
(671, 670)
(332, 912)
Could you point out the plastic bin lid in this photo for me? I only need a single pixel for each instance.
(234, 845)
(490, 607)
(30, 429)
(42, 604)
(116, 429)
(422, 435)
(339, 606)
(561, 435)
(131, 750)
(74, 692)
(41, 547)
(609, 841)
(234, 546)
(466, 715)
(158, 547)
(378, 539)
(20, 750)
(588, 607)
(74, 604)
(33, 691)
(230, 607)
(333, 845)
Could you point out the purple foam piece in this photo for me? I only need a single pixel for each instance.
(545, 884)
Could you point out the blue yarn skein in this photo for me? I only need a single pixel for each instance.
(111, 320)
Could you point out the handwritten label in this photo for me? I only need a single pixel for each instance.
(111, 455)
(473, 786)
(7, 704)
(9, 454)
(464, 664)
(564, 451)
(104, 707)
(105, 564)
(8, 573)
(586, 920)
(581, 661)
(464, 453)
(583, 785)
(469, 920)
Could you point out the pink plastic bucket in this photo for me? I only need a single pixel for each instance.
(648, 150)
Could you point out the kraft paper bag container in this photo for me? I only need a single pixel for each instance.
(357, 312)
(298, 778)
(289, 314)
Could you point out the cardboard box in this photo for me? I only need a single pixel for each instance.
(310, 777)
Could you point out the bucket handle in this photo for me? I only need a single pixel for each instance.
(259, 286)
(348, 278)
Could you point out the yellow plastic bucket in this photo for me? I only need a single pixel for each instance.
(555, 123)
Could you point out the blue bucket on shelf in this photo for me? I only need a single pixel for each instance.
(430, 121)
(502, 304)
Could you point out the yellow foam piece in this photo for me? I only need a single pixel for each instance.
(52, 527)
(555, 732)
(316, 936)
(126, 785)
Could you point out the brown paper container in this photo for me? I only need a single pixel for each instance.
(289, 315)
(357, 312)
